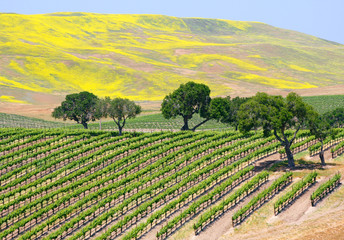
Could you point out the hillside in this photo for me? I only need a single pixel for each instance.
(144, 57)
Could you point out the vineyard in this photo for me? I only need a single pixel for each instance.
(88, 184)
(18, 121)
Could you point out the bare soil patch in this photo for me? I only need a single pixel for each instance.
(42, 112)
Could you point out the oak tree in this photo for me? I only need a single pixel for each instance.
(276, 114)
(187, 100)
(120, 109)
(80, 107)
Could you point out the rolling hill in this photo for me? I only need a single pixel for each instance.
(144, 57)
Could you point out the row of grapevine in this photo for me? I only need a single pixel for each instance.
(30, 141)
(227, 161)
(49, 133)
(225, 186)
(329, 142)
(37, 168)
(183, 173)
(325, 189)
(338, 150)
(10, 155)
(299, 146)
(261, 198)
(23, 157)
(55, 199)
(20, 195)
(214, 174)
(197, 206)
(21, 122)
(7, 132)
(120, 185)
(297, 189)
(19, 137)
(54, 184)
(76, 151)
(47, 148)
(220, 150)
(212, 214)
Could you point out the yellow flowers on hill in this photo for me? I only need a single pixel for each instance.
(144, 57)
(11, 99)
(277, 83)
(298, 68)
(194, 60)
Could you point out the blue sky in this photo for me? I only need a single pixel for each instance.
(321, 18)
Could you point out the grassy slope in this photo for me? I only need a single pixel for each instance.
(144, 57)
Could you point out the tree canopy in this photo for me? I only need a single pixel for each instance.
(193, 98)
(335, 117)
(235, 104)
(219, 109)
(119, 110)
(188, 99)
(276, 114)
(321, 129)
(80, 107)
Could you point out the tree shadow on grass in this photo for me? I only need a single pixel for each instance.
(261, 166)
(300, 164)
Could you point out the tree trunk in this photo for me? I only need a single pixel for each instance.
(119, 125)
(290, 156)
(321, 154)
(85, 125)
(194, 128)
(186, 124)
(100, 124)
(286, 145)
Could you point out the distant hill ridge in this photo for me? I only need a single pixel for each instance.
(144, 57)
